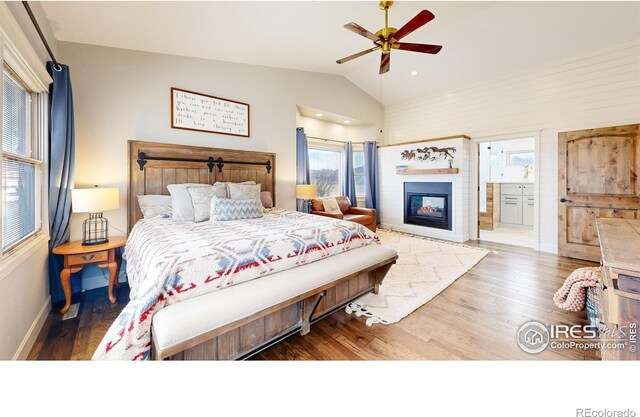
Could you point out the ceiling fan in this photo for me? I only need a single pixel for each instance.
(387, 38)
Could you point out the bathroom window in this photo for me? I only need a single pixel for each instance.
(521, 158)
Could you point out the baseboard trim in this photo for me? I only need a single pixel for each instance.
(34, 330)
(427, 232)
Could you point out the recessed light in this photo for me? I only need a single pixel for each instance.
(319, 114)
(414, 72)
(347, 121)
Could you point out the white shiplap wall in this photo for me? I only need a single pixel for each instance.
(392, 188)
(587, 91)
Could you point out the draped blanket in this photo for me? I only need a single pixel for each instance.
(573, 293)
(169, 261)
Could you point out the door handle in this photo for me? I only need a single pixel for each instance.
(564, 200)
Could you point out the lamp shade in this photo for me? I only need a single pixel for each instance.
(306, 192)
(94, 200)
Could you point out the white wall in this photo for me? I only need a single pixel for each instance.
(24, 277)
(588, 91)
(324, 129)
(363, 133)
(392, 188)
(122, 95)
(336, 131)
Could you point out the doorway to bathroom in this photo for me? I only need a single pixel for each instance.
(506, 191)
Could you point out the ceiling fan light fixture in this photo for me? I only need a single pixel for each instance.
(388, 38)
(414, 72)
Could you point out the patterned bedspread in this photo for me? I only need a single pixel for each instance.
(169, 261)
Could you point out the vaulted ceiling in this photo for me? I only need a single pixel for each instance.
(482, 40)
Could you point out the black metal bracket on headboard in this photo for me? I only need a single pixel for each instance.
(211, 162)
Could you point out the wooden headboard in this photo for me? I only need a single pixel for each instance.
(153, 166)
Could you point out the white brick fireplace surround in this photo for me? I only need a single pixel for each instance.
(392, 187)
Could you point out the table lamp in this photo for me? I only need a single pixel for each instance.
(306, 193)
(94, 201)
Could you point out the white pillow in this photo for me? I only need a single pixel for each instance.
(181, 200)
(331, 206)
(153, 205)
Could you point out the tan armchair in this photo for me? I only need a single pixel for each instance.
(363, 216)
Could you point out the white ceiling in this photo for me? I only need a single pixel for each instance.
(482, 40)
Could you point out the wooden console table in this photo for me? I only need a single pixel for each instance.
(619, 308)
(76, 256)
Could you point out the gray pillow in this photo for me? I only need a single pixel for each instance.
(154, 205)
(181, 200)
(244, 191)
(225, 209)
(201, 200)
(231, 182)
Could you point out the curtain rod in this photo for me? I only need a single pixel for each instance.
(56, 66)
(333, 140)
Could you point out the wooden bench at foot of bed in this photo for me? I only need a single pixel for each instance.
(242, 320)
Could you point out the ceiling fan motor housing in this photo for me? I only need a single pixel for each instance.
(385, 34)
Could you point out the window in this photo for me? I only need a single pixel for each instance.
(324, 171)
(521, 157)
(20, 163)
(358, 172)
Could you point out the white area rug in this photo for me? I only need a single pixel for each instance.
(425, 267)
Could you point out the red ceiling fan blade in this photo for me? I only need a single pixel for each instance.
(385, 63)
(356, 28)
(418, 47)
(354, 56)
(420, 20)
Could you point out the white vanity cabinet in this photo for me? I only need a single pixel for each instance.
(516, 203)
(511, 209)
(527, 210)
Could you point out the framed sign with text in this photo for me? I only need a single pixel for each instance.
(204, 113)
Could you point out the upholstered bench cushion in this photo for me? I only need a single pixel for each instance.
(185, 320)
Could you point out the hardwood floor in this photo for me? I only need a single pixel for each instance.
(477, 317)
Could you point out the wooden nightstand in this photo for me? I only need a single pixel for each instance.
(76, 256)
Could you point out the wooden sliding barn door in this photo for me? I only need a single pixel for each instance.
(598, 171)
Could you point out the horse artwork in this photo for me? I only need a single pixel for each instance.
(431, 153)
(408, 155)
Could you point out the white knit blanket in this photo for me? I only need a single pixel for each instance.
(169, 261)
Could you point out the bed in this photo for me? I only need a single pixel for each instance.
(306, 266)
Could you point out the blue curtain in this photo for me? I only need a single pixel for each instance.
(348, 178)
(302, 164)
(61, 161)
(371, 177)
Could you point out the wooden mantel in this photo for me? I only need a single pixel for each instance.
(411, 142)
(433, 171)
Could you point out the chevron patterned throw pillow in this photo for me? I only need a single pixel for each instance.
(225, 209)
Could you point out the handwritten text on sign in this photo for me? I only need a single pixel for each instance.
(210, 114)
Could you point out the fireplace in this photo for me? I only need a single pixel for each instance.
(428, 204)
